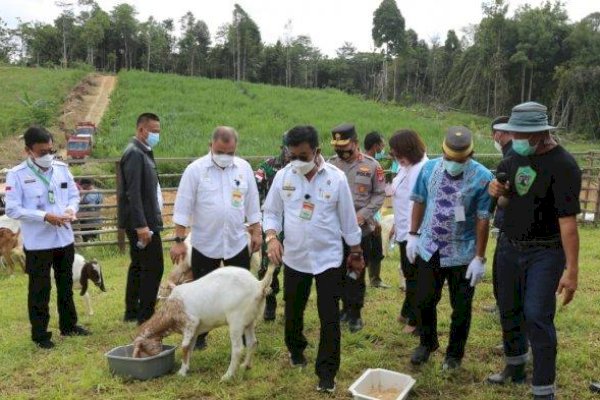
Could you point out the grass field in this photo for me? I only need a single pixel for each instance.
(190, 108)
(77, 369)
(50, 85)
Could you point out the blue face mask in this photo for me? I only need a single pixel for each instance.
(379, 155)
(153, 139)
(454, 168)
(522, 147)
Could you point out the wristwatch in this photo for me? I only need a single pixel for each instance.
(180, 239)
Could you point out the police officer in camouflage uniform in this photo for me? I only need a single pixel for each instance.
(264, 179)
(367, 183)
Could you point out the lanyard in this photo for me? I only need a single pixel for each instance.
(46, 182)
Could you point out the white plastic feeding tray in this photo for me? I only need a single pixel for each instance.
(382, 384)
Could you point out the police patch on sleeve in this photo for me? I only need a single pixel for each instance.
(524, 178)
(380, 174)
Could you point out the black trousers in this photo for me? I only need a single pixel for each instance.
(430, 281)
(296, 290)
(37, 265)
(375, 258)
(202, 265)
(353, 295)
(143, 278)
(409, 307)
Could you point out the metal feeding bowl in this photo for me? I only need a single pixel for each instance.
(121, 362)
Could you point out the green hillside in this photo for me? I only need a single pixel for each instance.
(190, 108)
(45, 89)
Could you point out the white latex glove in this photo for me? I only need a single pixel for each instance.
(412, 242)
(475, 271)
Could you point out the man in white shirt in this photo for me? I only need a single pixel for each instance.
(42, 195)
(311, 202)
(217, 197)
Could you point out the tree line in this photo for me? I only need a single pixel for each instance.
(536, 54)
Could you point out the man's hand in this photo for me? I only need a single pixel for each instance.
(360, 219)
(568, 285)
(178, 252)
(497, 189)
(70, 214)
(275, 251)
(475, 271)
(144, 235)
(256, 241)
(412, 241)
(355, 262)
(57, 220)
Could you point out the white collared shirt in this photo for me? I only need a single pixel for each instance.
(27, 201)
(402, 187)
(217, 203)
(312, 245)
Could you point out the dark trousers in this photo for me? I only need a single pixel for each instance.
(430, 281)
(296, 290)
(202, 265)
(353, 294)
(527, 284)
(495, 266)
(143, 278)
(38, 264)
(375, 258)
(409, 307)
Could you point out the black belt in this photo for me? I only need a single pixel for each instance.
(530, 244)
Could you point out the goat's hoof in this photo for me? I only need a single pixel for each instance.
(246, 366)
(182, 372)
(226, 378)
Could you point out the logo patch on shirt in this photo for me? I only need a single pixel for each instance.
(380, 174)
(524, 178)
(7, 188)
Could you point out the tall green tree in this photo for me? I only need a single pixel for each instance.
(388, 33)
(194, 44)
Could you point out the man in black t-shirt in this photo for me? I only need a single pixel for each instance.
(539, 246)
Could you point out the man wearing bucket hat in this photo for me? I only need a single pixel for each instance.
(539, 247)
(447, 241)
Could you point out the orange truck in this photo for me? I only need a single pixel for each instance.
(81, 142)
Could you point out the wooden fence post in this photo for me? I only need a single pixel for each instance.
(121, 232)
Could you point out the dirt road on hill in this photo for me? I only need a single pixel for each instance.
(86, 102)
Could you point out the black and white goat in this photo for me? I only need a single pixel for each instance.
(83, 272)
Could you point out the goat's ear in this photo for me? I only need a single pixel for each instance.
(83, 280)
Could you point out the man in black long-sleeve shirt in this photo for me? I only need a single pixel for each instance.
(140, 204)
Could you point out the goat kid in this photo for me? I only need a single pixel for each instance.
(228, 295)
(11, 251)
(83, 272)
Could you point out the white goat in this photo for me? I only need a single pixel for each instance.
(228, 295)
(83, 272)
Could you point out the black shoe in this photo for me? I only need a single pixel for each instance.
(200, 343)
(355, 324)
(76, 331)
(297, 360)
(421, 355)
(46, 344)
(451, 363)
(595, 387)
(270, 309)
(544, 396)
(511, 373)
(326, 385)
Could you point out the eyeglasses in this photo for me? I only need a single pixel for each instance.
(43, 153)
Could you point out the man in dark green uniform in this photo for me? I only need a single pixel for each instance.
(264, 179)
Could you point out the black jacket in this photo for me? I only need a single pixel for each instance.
(136, 191)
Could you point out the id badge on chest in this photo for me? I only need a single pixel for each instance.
(51, 198)
(307, 210)
(459, 214)
(237, 198)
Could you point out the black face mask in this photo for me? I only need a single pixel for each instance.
(344, 154)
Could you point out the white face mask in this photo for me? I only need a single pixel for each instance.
(45, 161)
(498, 146)
(222, 160)
(303, 167)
